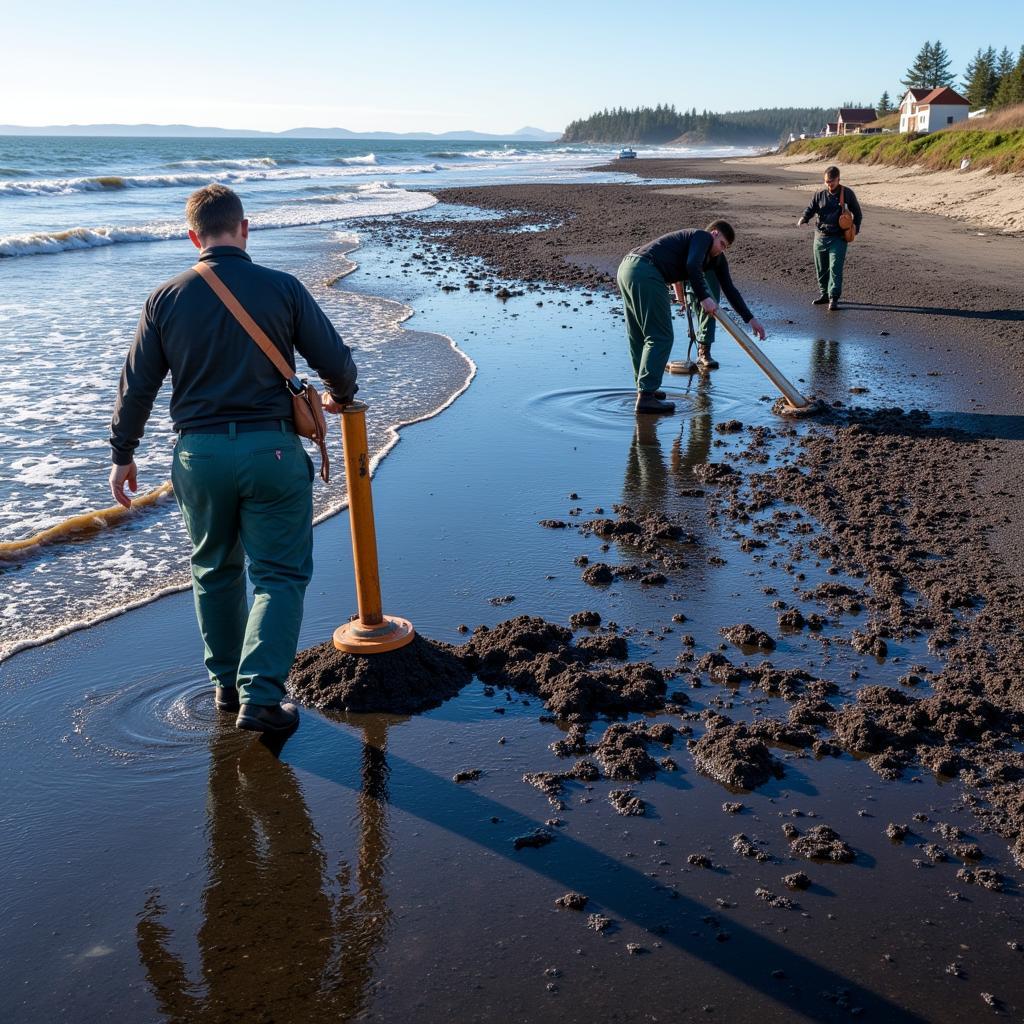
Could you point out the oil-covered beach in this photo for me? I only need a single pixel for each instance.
(741, 736)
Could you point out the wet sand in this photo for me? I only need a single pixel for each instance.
(155, 854)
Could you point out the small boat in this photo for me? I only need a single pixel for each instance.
(627, 154)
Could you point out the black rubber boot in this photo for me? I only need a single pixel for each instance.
(833, 305)
(648, 402)
(276, 719)
(225, 698)
(820, 300)
(704, 360)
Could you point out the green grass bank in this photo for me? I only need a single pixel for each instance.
(996, 142)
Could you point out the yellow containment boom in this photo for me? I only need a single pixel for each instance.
(770, 370)
(85, 522)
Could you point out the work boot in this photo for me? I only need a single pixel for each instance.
(820, 300)
(704, 360)
(648, 402)
(225, 698)
(833, 305)
(276, 719)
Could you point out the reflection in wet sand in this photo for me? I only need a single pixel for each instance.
(646, 483)
(276, 942)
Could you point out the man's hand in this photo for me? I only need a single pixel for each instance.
(331, 406)
(119, 476)
(709, 306)
(801, 222)
(759, 331)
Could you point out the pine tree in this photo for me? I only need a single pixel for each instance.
(939, 69)
(930, 69)
(1011, 85)
(884, 105)
(1004, 62)
(918, 72)
(980, 79)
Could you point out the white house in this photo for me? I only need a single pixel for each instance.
(928, 110)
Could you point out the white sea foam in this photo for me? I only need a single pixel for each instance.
(374, 200)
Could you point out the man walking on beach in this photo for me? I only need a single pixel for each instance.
(241, 477)
(689, 257)
(829, 244)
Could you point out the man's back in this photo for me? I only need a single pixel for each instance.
(218, 374)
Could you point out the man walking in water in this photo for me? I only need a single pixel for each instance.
(241, 477)
(688, 257)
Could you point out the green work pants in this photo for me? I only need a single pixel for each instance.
(829, 257)
(704, 322)
(648, 310)
(247, 495)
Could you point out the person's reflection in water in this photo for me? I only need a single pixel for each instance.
(826, 369)
(275, 942)
(696, 448)
(646, 484)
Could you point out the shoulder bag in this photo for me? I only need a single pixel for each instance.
(846, 218)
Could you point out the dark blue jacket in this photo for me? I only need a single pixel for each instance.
(218, 373)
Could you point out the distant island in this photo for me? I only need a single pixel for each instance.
(188, 131)
(664, 125)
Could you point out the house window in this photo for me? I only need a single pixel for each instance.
(949, 120)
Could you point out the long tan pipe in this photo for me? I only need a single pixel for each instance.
(771, 371)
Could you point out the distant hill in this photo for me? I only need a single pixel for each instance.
(188, 131)
(664, 125)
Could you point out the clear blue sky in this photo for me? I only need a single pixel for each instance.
(398, 65)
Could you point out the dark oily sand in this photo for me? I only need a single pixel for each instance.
(534, 656)
(730, 754)
(421, 675)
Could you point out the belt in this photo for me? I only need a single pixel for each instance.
(245, 427)
(642, 258)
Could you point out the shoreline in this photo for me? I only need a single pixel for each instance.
(360, 803)
(391, 437)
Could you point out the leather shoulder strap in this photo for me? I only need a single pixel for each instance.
(253, 329)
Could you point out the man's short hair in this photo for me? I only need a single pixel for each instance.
(832, 172)
(724, 228)
(214, 210)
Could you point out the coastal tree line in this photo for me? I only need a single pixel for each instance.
(663, 124)
(991, 79)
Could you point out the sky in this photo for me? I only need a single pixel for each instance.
(443, 65)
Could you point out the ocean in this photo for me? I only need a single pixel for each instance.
(88, 227)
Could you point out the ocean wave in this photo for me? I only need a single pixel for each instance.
(368, 158)
(118, 183)
(376, 199)
(47, 242)
(232, 165)
(343, 193)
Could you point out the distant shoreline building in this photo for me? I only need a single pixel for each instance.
(928, 110)
(852, 119)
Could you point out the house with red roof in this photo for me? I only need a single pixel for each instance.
(928, 110)
(849, 119)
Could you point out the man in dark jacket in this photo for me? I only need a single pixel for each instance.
(829, 243)
(241, 477)
(690, 257)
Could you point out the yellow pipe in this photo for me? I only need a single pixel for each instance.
(84, 522)
(372, 631)
(771, 371)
